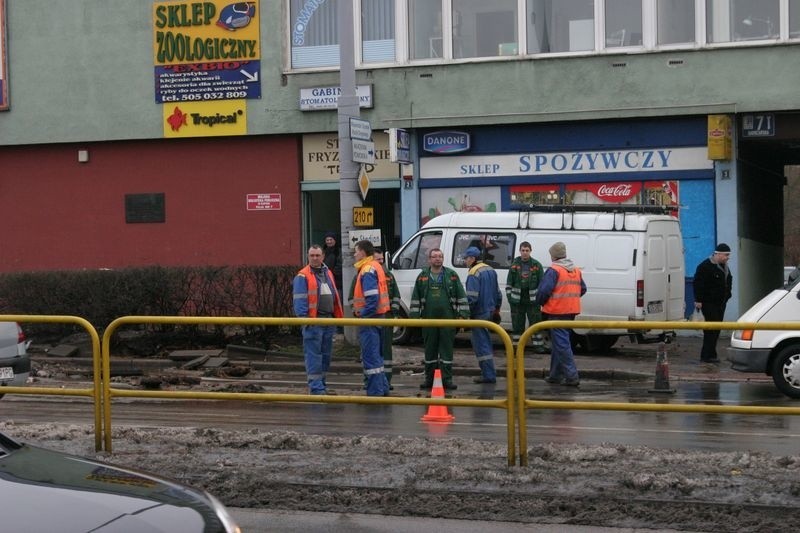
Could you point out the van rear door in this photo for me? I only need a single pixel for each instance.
(663, 272)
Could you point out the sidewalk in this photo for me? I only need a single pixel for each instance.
(625, 361)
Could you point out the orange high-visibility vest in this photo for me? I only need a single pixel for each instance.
(359, 302)
(566, 296)
(313, 292)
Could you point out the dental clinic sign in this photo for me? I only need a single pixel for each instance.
(566, 163)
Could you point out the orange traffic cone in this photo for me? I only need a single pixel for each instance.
(437, 413)
(662, 371)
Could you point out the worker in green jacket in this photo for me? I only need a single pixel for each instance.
(523, 280)
(438, 293)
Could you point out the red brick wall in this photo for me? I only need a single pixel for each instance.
(56, 213)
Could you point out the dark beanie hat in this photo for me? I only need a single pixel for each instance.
(330, 234)
(722, 248)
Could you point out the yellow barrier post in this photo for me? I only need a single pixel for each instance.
(94, 393)
(523, 403)
(107, 393)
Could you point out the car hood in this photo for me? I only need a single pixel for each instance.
(49, 491)
(760, 308)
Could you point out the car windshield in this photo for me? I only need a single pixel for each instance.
(793, 278)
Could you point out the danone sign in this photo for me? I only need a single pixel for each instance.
(445, 142)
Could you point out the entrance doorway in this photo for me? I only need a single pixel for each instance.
(321, 214)
(768, 202)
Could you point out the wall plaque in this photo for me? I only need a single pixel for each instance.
(144, 208)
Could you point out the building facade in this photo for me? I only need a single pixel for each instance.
(186, 133)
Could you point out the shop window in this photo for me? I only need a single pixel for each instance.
(794, 19)
(526, 196)
(377, 31)
(425, 29)
(675, 21)
(742, 20)
(497, 249)
(623, 23)
(314, 33)
(560, 26)
(483, 29)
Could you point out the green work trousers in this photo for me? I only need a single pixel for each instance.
(439, 352)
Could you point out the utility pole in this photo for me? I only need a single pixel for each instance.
(348, 169)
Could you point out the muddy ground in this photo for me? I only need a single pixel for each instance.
(606, 485)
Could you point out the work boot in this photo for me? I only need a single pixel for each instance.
(426, 385)
(449, 385)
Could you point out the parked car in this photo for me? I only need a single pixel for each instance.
(15, 364)
(42, 490)
(775, 353)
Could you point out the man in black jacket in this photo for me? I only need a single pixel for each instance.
(712, 290)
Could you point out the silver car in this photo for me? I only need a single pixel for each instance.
(42, 490)
(15, 364)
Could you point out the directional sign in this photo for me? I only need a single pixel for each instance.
(363, 217)
(371, 235)
(360, 129)
(363, 152)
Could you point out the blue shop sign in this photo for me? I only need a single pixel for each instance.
(203, 82)
(445, 142)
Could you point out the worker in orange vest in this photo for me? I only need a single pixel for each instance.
(315, 295)
(559, 295)
(371, 300)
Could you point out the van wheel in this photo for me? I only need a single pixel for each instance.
(402, 334)
(601, 343)
(786, 371)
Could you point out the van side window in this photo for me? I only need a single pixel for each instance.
(415, 254)
(497, 248)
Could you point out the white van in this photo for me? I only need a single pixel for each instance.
(775, 353)
(632, 262)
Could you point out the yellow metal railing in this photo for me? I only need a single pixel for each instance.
(93, 393)
(515, 403)
(523, 404)
(506, 403)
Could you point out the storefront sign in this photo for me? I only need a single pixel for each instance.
(321, 158)
(566, 163)
(321, 98)
(198, 119)
(264, 202)
(719, 137)
(399, 146)
(445, 142)
(614, 193)
(206, 50)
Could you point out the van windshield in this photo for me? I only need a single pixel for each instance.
(414, 255)
(497, 249)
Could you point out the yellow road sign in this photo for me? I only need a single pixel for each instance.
(363, 217)
(363, 182)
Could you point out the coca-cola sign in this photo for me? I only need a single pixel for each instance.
(615, 192)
